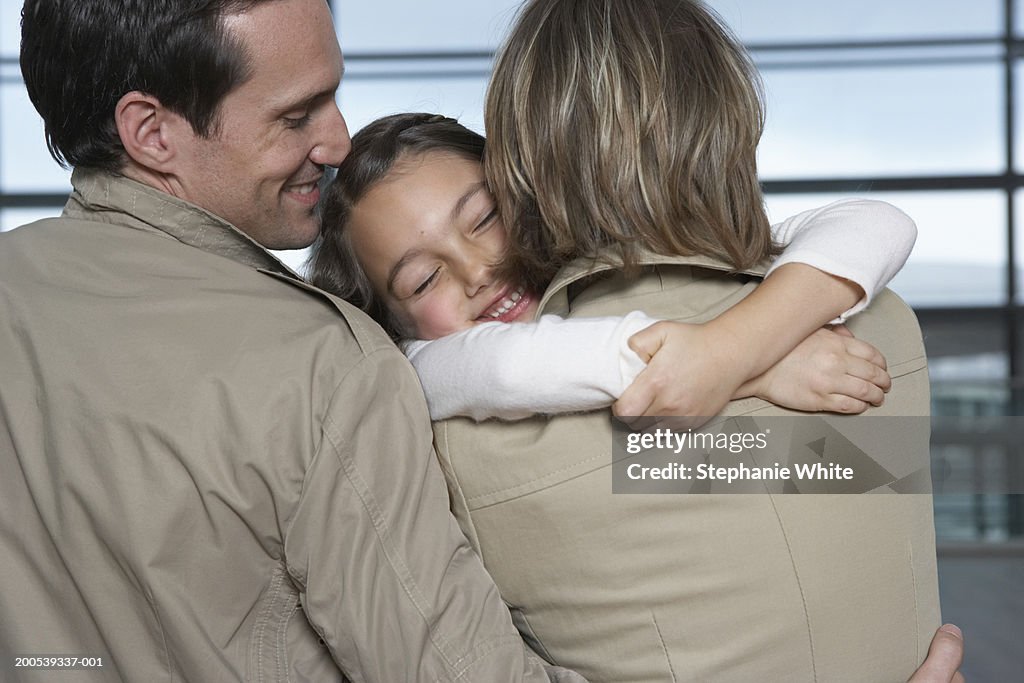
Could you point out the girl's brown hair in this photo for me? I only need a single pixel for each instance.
(625, 123)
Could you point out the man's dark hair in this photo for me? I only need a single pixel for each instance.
(79, 57)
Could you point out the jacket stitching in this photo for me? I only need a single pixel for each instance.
(799, 585)
(264, 618)
(397, 563)
(544, 476)
(481, 651)
(293, 572)
(458, 665)
(163, 635)
(664, 648)
(917, 613)
(282, 643)
(475, 541)
(648, 259)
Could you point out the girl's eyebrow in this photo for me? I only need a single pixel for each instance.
(473, 190)
(399, 264)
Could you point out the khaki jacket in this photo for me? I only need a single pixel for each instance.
(213, 472)
(731, 587)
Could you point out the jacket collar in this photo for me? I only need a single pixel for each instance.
(556, 297)
(115, 199)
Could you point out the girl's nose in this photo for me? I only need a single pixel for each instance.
(478, 277)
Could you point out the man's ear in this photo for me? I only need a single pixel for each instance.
(148, 130)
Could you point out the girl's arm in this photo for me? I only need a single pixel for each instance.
(513, 371)
(863, 241)
(695, 370)
(555, 365)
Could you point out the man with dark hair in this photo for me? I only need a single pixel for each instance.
(212, 472)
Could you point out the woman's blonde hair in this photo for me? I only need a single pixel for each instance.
(625, 123)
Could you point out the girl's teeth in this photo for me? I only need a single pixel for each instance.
(508, 302)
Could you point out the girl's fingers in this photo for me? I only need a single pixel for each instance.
(869, 372)
(861, 349)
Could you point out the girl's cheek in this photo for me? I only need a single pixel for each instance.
(436, 316)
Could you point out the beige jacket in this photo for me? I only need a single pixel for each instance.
(676, 587)
(213, 472)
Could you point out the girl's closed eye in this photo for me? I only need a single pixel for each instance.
(425, 285)
(487, 221)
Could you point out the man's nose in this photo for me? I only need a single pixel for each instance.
(335, 142)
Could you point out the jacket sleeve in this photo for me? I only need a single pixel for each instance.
(864, 241)
(385, 575)
(514, 370)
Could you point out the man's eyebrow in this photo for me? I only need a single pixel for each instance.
(306, 100)
(399, 264)
(474, 189)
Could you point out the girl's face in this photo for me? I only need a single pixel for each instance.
(428, 236)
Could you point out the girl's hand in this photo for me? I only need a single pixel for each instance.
(695, 369)
(692, 371)
(829, 371)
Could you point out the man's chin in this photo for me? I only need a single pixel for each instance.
(296, 232)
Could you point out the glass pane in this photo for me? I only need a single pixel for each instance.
(10, 28)
(883, 121)
(363, 100)
(960, 255)
(416, 26)
(1018, 110)
(480, 24)
(822, 20)
(25, 165)
(1018, 205)
(966, 368)
(13, 218)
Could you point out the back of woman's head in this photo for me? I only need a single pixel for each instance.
(376, 148)
(628, 123)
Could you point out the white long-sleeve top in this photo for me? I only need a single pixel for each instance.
(554, 365)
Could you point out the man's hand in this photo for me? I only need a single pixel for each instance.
(945, 656)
